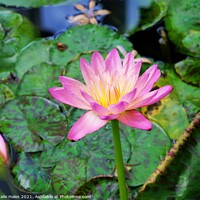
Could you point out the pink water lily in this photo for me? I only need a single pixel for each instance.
(3, 150)
(113, 90)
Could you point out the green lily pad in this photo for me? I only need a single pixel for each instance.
(29, 176)
(68, 175)
(32, 122)
(148, 148)
(38, 79)
(34, 3)
(17, 31)
(100, 187)
(182, 23)
(50, 156)
(187, 95)
(85, 39)
(189, 70)
(181, 179)
(98, 148)
(34, 53)
(153, 14)
(6, 94)
(192, 42)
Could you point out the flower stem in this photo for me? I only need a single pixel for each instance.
(119, 160)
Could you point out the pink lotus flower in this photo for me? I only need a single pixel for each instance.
(3, 150)
(113, 90)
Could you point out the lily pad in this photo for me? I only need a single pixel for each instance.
(68, 175)
(100, 187)
(17, 31)
(153, 14)
(50, 156)
(85, 39)
(38, 79)
(181, 179)
(32, 122)
(34, 53)
(182, 23)
(29, 176)
(189, 70)
(6, 94)
(98, 148)
(148, 148)
(34, 3)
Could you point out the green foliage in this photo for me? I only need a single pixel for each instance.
(29, 175)
(40, 76)
(189, 70)
(34, 3)
(182, 23)
(181, 178)
(33, 54)
(31, 123)
(16, 31)
(35, 126)
(68, 175)
(85, 39)
(153, 14)
(148, 148)
(5, 94)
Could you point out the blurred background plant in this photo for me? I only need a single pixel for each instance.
(42, 39)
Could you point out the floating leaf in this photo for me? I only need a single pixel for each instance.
(50, 156)
(68, 175)
(192, 42)
(100, 187)
(182, 23)
(98, 148)
(189, 70)
(39, 79)
(153, 14)
(179, 177)
(31, 122)
(29, 175)
(86, 39)
(34, 3)
(18, 32)
(5, 94)
(149, 147)
(31, 55)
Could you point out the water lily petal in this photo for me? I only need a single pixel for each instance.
(69, 97)
(72, 84)
(87, 97)
(113, 62)
(161, 93)
(128, 63)
(101, 12)
(135, 119)
(87, 71)
(118, 108)
(87, 124)
(108, 117)
(129, 97)
(100, 110)
(142, 101)
(151, 97)
(145, 84)
(98, 63)
(3, 149)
